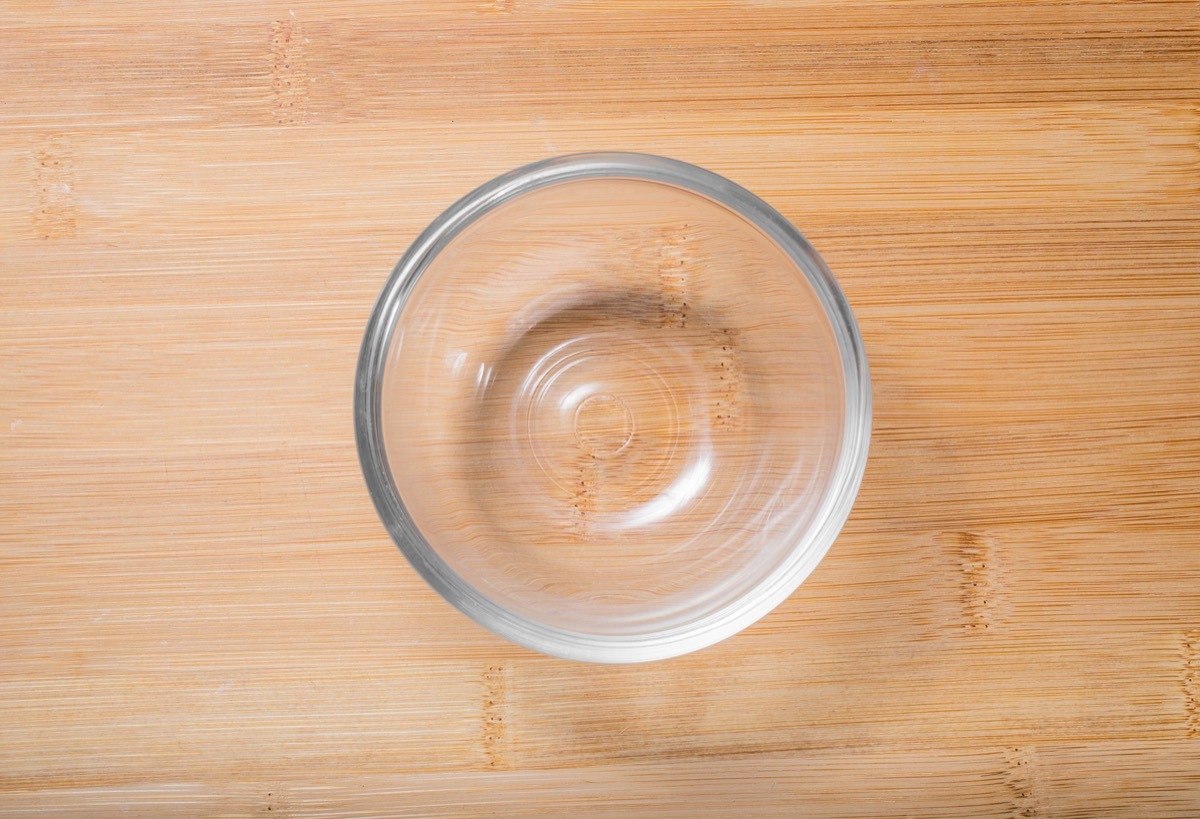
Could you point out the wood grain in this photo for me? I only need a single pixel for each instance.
(202, 614)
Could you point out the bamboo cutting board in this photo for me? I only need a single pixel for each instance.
(200, 613)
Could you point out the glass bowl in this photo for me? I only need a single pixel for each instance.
(613, 407)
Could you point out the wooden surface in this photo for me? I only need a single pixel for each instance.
(200, 613)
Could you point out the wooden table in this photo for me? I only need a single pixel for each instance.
(200, 613)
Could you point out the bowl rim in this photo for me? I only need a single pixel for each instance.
(804, 554)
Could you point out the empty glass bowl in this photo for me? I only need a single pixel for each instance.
(613, 407)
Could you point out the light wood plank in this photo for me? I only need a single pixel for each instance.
(1065, 780)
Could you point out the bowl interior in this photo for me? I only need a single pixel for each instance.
(613, 406)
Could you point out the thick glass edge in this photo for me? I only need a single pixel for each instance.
(570, 645)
